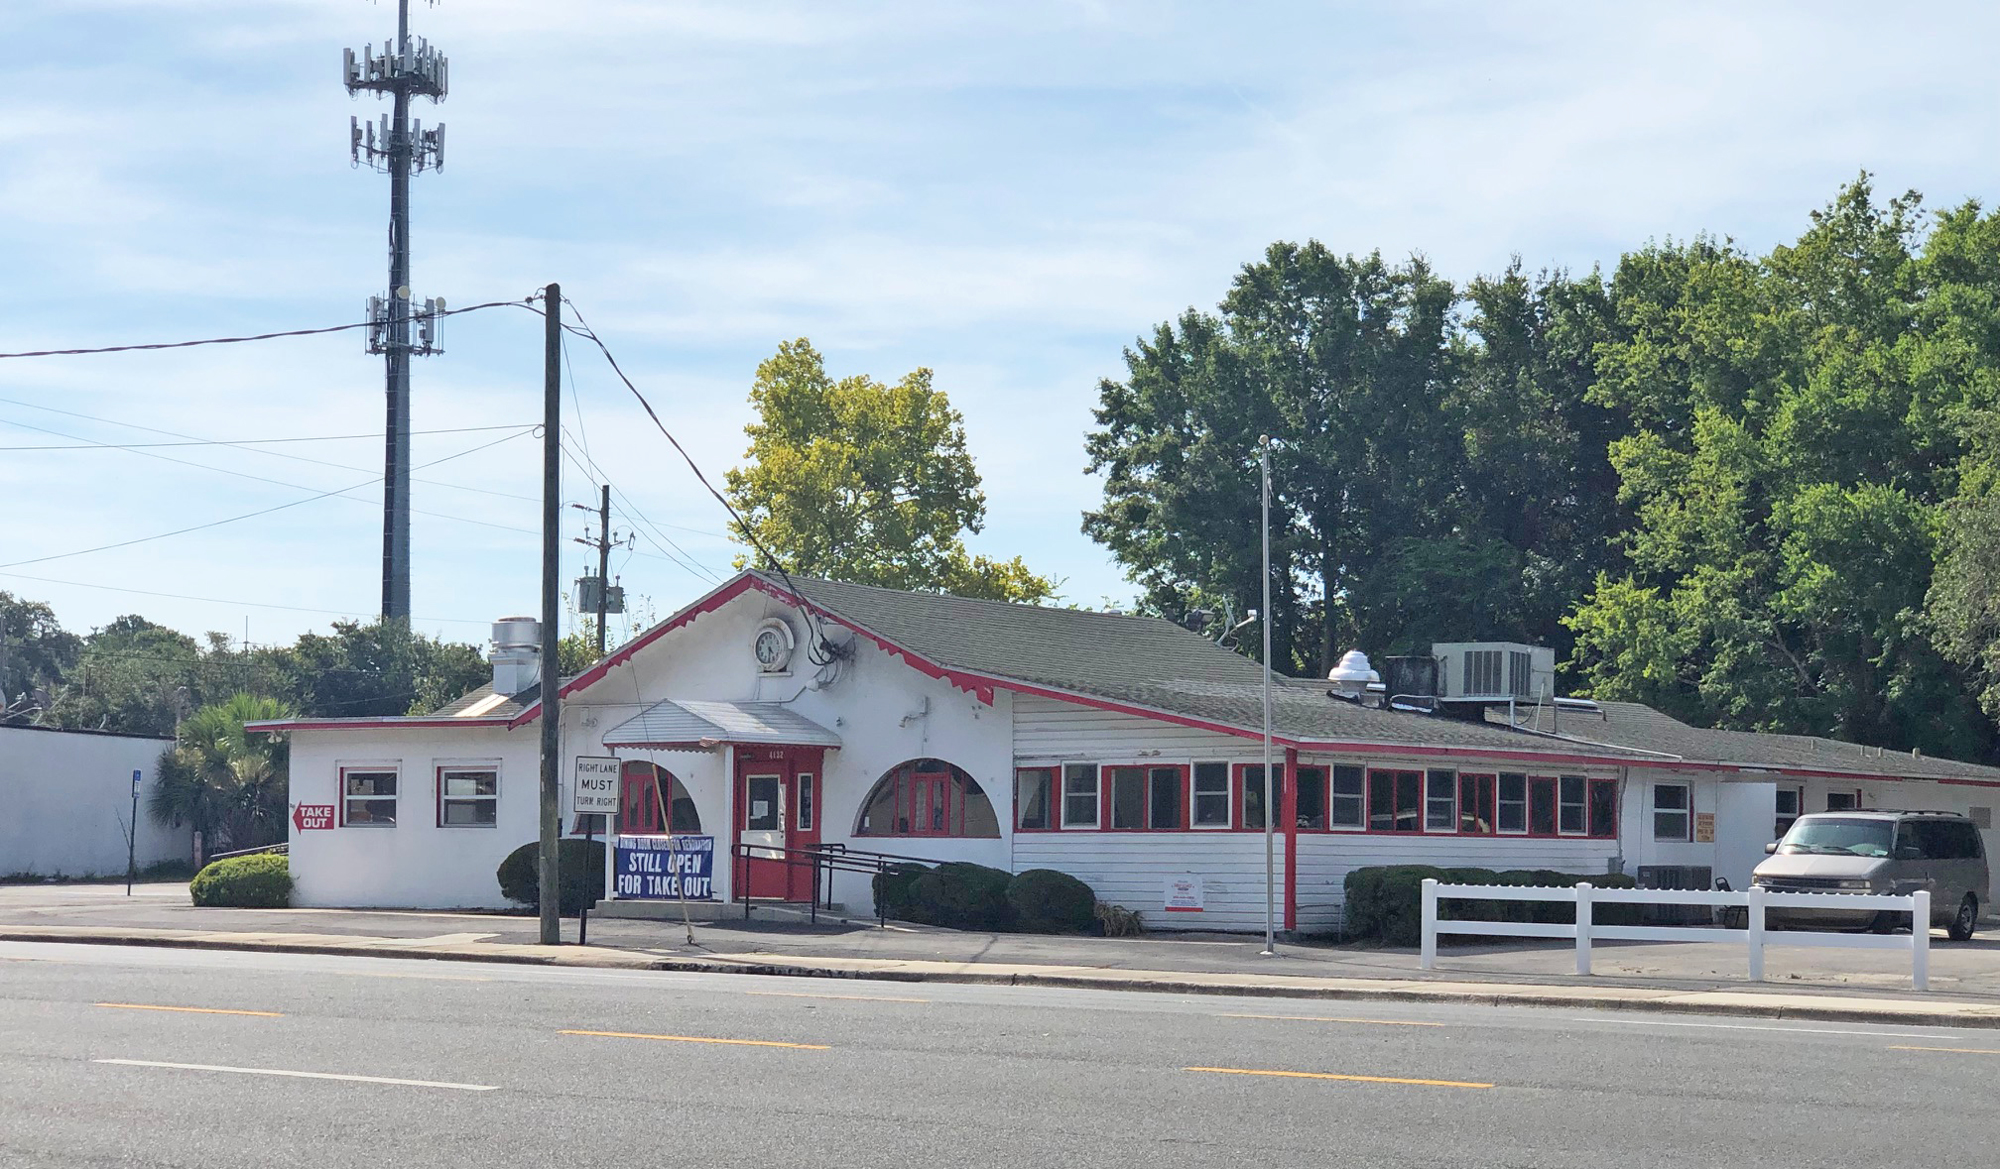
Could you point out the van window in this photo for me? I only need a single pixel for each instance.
(1838, 836)
(1945, 840)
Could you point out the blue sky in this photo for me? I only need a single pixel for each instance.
(1008, 193)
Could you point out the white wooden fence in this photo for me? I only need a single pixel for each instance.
(1754, 900)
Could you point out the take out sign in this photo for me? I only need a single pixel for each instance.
(306, 817)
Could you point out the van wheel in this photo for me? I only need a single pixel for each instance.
(1886, 922)
(1967, 920)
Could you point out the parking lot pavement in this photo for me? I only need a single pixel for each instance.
(1969, 970)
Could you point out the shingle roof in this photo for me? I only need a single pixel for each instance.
(1641, 728)
(688, 722)
(1142, 661)
(479, 700)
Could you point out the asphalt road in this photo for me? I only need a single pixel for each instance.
(136, 1057)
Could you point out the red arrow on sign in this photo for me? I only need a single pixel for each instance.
(310, 816)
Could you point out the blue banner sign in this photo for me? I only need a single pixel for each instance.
(664, 868)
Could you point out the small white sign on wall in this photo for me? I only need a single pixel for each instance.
(1184, 894)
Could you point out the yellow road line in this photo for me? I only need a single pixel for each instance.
(700, 1039)
(860, 998)
(1955, 1050)
(1333, 1076)
(1336, 1019)
(189, 1010)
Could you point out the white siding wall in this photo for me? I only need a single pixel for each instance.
(1132, 869)
(68, 799)
(1325, 859)
(1047, 730)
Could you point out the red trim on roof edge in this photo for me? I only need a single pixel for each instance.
(417, 723)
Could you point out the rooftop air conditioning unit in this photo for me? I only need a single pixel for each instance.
(1496, 669)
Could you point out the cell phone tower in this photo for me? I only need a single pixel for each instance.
(404, 69)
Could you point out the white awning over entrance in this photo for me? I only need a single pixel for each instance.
(682, 724)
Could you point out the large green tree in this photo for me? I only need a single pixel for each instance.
(1800, 423)
(860, 481)
(378, 668)
(35, 653)
(1436, 473)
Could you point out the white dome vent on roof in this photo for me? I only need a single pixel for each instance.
(1353, 675)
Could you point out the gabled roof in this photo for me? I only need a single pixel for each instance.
(1156, 669)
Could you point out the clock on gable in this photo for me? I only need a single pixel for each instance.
(773, 645)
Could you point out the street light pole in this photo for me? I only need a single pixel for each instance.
(1270, 808)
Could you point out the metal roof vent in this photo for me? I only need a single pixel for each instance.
(517, 654)
(1353, 675)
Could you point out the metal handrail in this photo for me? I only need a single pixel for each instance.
(824, 858)
(284, 849)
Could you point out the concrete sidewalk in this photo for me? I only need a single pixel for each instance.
(470, 947)
(1651, 977)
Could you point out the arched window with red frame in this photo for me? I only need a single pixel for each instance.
(927, 797)
(640, 803)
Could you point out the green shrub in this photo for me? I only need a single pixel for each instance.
(892, 889)
(961, 895)
(1385, 902)
(1048, 902)
(260, 881)
(579, 874)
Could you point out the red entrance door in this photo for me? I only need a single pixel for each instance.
(777, 814)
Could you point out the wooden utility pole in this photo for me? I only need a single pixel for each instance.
(603, 566)
(551, 686)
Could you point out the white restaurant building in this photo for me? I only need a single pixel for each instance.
(1124, 750)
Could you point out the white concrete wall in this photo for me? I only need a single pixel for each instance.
(415, 863)
(67, 797)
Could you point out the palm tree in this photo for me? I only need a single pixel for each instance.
(229, 785)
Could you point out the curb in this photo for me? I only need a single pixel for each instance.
(1847, 1011)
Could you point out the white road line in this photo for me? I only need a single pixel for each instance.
(1755, 1027)
(207, 1067)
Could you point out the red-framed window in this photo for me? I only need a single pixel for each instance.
(1395, 801)
(645, 790)
(1209, 802)
(1541, 805)
(927, 797)
(1603, 813)
(1250, 794)
(1311, 801)
(1144, 797)
(1034, 799)
(1475, 803)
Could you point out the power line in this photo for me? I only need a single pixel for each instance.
(253, 450)
(234, 442)
(140, 450)
(240, 340)
(668, 546)
(685, 561)
(246, 515)
(362, 613)
(821, 653)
